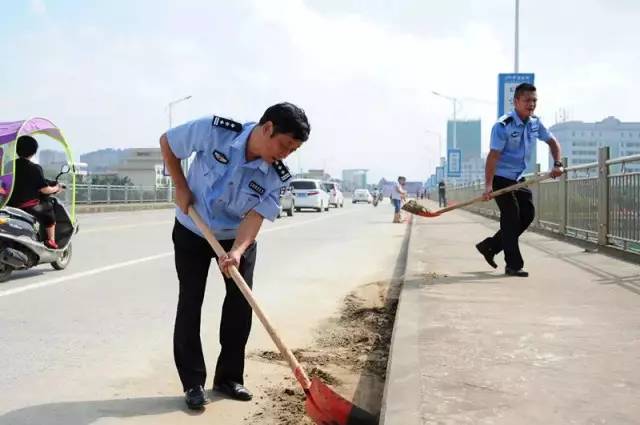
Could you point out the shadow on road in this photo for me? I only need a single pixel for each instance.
(88, 412)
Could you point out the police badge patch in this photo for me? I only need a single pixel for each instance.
(256, 187)
(220, 157)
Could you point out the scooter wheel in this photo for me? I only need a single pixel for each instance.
(64, 260)
(5, 272)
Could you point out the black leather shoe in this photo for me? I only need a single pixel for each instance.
(487, 254)
(513, 272)
(195, 398)
(233, 389)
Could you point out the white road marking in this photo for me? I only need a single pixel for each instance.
(123, 264)
(123, 226)
(84, 274)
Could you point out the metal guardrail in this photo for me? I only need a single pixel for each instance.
(111, 194)
(598, 202)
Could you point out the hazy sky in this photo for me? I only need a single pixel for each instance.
(363, 70)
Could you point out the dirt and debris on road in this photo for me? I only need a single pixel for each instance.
(350, 354)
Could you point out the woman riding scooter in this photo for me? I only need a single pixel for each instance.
(30, 185)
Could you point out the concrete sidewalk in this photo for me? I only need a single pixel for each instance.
(472, 346)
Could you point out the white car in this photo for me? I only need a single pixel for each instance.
(287, 201)
(309, 193)
(362, 195)
(336, 198)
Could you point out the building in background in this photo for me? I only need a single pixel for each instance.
(580, 140)
(414, 189)
(469, 141)
(468, 137)
(472, 171)
(49, 158)
(103, 160)
(52, 162)
(318, 174)
(386, 186)
(143, 166)
(353, 179)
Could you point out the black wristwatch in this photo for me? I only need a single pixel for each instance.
(558, 164)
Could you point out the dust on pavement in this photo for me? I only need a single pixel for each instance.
(349, 354)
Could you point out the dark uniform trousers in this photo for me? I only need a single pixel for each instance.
(193, 256)
(442, 198)
(516, 214)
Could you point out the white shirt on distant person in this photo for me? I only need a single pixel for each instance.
(397, 192)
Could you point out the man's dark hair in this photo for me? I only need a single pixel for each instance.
(287, 118)
(26, 146)
(522, 88)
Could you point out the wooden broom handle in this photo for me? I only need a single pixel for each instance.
(295, 366)
(494, 194)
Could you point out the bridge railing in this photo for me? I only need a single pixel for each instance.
(598, 202)
(111, 194)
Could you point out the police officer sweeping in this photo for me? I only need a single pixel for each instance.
(513, 138)
(233, 183)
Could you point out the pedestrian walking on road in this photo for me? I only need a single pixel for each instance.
(234, 183)
(397, 195)
(513, 138)
(442, 195)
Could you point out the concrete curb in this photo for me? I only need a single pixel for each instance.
(100, 208)
(402, 399)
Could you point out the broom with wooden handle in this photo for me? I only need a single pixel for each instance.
(415, 208)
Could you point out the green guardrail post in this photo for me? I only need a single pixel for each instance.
(603, 195)
(564, 200)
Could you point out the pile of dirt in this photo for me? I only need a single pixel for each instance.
(286, 407)
(350, 354)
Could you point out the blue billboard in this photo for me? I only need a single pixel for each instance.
(507, 84)
(454, 162)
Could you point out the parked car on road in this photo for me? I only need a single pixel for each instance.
(309, 193)
(362, 195)
(336, 198)
(287, 201)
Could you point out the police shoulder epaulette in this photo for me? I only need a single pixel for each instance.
(505, 119)
(282, 171)
(226, 123)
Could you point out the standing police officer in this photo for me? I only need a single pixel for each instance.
(234, 183)
(513, 138)
(442, 194)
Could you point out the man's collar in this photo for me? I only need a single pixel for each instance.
(517, 118)
(240, 144)
(240, 141)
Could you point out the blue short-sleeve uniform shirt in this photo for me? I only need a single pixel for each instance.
(224, 184)
(515, 139)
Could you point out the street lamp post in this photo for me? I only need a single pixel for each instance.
(171, 104)
(455, 109)
(516, 59)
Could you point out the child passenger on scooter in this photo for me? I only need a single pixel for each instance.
(29, 185)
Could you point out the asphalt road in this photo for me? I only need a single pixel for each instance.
(92, 344)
